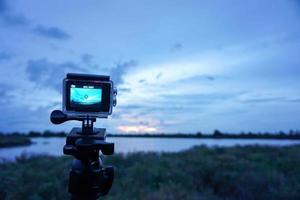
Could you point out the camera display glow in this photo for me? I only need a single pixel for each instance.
(86, 95)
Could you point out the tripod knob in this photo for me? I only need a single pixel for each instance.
(58, 117)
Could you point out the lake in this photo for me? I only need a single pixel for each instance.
(54, 146)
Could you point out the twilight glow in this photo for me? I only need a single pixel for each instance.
(137, 129)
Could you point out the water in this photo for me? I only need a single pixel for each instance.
(54, 146)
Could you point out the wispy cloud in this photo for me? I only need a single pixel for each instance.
(51, 32)
(50, 74)
(176, 47)
(10, 18)
(3, 6)
(265, 100)
(3, 92)
(87, 58)
(267, 97)
(159, 75)
(120, 69)
(4, 56)
(14, 20)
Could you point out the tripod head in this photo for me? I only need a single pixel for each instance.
(89, 138)
(85, 98)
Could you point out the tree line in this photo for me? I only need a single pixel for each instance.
(292, 134)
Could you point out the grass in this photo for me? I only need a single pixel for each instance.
(14, 140)
(247, 173)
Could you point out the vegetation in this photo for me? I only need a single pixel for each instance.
(292, 134)
(13, 140)
(248, 173)
(46, 133)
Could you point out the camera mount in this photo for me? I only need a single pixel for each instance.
(88, 178)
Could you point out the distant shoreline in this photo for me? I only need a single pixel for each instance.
(17, 140)
(22, 139)
(183, 136)
(7, 141)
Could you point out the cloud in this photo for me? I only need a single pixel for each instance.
(176, 47)
(168, 104)
(21, 118)
(87, 58)
(211, 78)
(2, 93)
(51, 32)
(130, 107)
(50, 74)
(124, 90)
(201, 78)
(5, 97)
(120, 70)
(195, 100)
(4, 56)
(269, 99)
(3, 6)
(264, 100)
(9, 18)
(15, 20)
(159, 75)
(295, 100)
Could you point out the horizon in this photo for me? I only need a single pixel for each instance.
(180, 66)
(216, 131)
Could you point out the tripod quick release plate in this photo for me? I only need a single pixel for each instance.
(81, 145)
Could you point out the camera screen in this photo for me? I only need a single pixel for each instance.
(85, 95)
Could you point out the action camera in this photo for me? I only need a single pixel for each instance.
(88, 95)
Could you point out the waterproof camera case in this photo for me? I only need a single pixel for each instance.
(87, 95)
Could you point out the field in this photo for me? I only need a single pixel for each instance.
(248, 173)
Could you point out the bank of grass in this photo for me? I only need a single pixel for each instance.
(14, 140)
(247, 173)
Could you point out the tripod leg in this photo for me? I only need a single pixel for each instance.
(89, 180)
(108, 177)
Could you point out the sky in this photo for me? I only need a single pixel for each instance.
(181, 66)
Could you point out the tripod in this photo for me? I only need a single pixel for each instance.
(88, 178)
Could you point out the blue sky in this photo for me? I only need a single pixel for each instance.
(180, 66)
